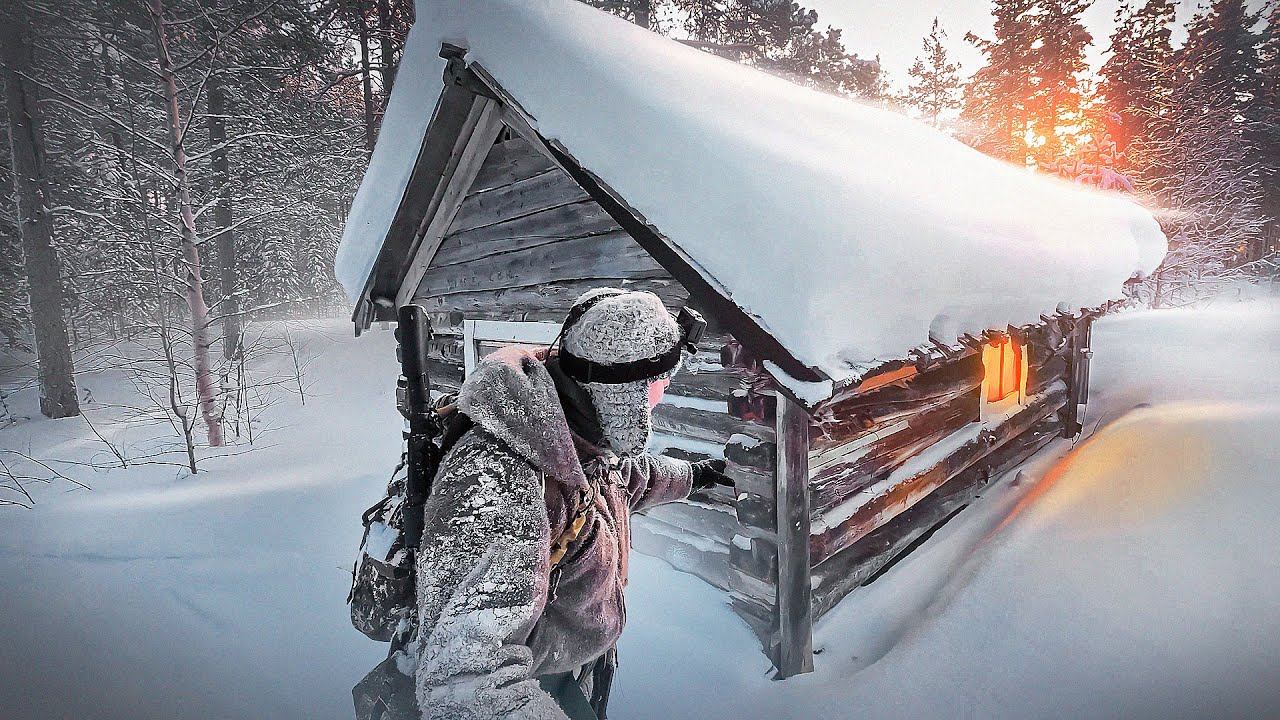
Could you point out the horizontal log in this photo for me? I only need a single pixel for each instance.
(760, 594)
(836, 423)
(509, 162)
(548, 302)
(756, 510)
(857, 564)
(755, 556)
(682, 550)
(762, 620)
(542, 191)
(445, 376)
(750, 479)
(717, 495)
(713, 385)
(711, 522)
(578, 219)
(614, 255)
(705, 425)
(880, 503)
(753, 454)
(1048, 371)
(841, 477)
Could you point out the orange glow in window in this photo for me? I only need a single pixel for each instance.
(1003, 365)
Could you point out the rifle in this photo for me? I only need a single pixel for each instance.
(413, 398)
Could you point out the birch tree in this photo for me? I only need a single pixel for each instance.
(196, 306)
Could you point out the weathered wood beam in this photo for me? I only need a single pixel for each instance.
(508, 162)
(612, 255)
(524, 197)
(841, 477)
(863, 513)
(468, 154)
(795, 623)
(561, 222)
(706, 425)
(838, 422)
(449, 123)
(855, 565)
(1077, 374)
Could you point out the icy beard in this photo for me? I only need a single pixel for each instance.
(624, 415)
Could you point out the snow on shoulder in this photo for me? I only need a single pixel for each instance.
(847, 230)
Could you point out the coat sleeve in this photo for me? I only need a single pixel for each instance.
(655, 479)
(482, 585)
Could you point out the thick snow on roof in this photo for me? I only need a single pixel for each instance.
(848, 230)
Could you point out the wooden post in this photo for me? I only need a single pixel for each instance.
(1077, 375)
(794, 594)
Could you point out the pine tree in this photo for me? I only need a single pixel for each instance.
(777, 36)
(1221, 56)
(1027, 103)
(1056, 107)
(1140, 50)
(1222, 49)
(995, 100)
(56, 373)
(936, 85)
(1196, 163)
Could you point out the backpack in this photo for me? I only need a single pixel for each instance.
(382, 598)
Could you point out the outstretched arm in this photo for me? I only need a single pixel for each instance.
(482, 585)
(655, 479)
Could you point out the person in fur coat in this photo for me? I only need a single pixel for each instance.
(501, 634)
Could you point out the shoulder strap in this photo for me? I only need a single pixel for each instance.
(573, 528)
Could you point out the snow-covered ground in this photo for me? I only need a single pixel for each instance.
(1133, 575)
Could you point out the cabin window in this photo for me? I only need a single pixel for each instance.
(1004, 380)
(481, 337)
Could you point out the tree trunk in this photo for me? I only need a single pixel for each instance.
(386, 50)
(224, 236)
(370, 132)
(190, 250)
(44, 278)
(643, 8)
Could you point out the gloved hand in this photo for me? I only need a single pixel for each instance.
(709, 473)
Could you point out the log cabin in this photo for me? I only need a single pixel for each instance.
(894, 319)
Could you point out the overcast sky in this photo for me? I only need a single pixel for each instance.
(895, 28)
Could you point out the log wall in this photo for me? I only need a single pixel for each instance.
(889, 460)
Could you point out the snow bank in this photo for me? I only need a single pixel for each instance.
(1131, 576)
(846, 229)
(1136, 577)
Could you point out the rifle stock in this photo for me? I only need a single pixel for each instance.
(413, 331)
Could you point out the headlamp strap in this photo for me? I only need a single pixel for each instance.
(586, 371)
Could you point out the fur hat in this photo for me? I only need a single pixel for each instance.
(623, 327)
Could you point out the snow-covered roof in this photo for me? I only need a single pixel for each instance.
(847, 230)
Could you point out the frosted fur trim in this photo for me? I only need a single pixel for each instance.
(511, 395)
(624, 327)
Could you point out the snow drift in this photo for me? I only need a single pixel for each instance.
(846, 229)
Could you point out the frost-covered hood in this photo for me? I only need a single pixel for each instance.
(512, 396)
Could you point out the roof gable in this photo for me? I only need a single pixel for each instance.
(845, 232)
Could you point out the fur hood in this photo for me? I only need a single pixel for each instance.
(512, 396)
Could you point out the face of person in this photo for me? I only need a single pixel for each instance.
(656, 389)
